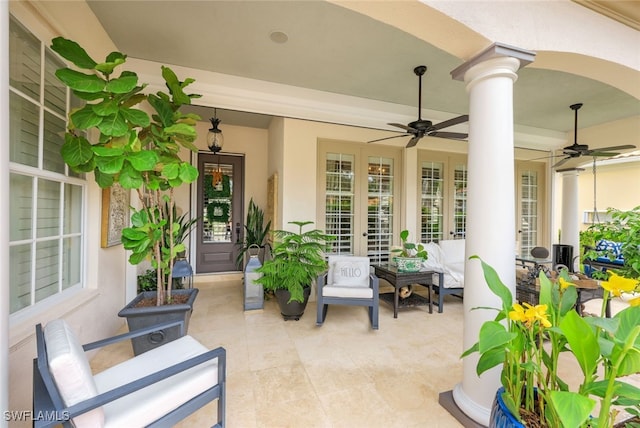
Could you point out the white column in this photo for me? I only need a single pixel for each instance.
(570, 228)
(4, 203)
(490, 229)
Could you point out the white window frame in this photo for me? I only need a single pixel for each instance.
(37, 173)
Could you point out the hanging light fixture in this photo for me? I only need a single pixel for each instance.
(215, 139)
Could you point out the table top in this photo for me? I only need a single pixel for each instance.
(389, 268)
(534, 260)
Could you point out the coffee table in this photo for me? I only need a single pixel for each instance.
(401, 279)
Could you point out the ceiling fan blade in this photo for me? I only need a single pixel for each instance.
(561, 162)
(450, 122)
(451, 135)
(408, 128)
(412, 142)
(385, 138)
(615, 148)
(605, 154)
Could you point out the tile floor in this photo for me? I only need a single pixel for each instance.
(343, 374)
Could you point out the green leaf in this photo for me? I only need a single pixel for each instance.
(495, 285)
(85, 118)
(113, 60)
(130, 178)
(136, 117)
(103, 151)
(105, 108)
(188, 173)
(133, 234)
(110, 165)
(113, 125)
(629, 320)
(493, 335)
(139, 218)
(163, 108)
(171, 171)
(179, 97)
(144, 160)
(123, 84)
(79, 81)
(76, 150)
(181, 129)
(90, 96)
(582, 340)
(489, 360)
(72, 51)
(572, 408)
(103, 180)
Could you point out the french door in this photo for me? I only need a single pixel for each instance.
(443, 196)
(530, 188)
(358, 198)
(219, 204)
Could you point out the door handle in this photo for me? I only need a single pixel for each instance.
(365, 234)
(238, 232)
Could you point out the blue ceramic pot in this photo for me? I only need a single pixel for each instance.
(501, 417)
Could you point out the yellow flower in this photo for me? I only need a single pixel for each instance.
(517, 314)
(635, 301)
(618, 284)
(529, 315)
(564, 284)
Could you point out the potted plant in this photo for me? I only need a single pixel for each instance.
(297, 260)
(527, 341)
(255, 233)
(410, 256)
(623, 228)
(138, 152)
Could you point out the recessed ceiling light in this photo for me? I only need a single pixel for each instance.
(278, 37)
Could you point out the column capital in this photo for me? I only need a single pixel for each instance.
(565, 170)
(496, 50)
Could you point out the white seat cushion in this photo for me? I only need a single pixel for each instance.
(148, 404)
(71, 372)
(347, 291)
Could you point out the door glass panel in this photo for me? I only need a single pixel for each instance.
(529, 211)
(459, 202)
(218, 195)
(339, 200)
(432, 199)
(380, 184)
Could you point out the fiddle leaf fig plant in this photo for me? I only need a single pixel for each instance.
(132, 148)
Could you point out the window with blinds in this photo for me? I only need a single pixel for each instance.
(46, 199)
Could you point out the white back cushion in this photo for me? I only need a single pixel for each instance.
(70, 370)
(453, 251)
(434, 257)
(348, 271)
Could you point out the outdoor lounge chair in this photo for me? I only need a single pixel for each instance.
(348, 282)
(157, 388)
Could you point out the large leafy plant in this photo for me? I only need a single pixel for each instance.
(624, 227)
(255, 231)
(297, 260)
(527, 341)
(133, 149)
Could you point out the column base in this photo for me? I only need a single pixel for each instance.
(470, 408)
(445, 399)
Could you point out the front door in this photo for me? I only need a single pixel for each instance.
(220, 190)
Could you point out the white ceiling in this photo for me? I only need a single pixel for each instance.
(336, 50)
